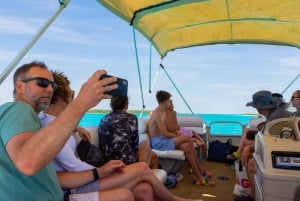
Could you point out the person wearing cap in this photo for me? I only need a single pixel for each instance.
(254, 125)
(295, 100)
(278, 99)
(267, 106)
(264, 103)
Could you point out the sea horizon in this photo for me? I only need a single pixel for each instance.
(233, 128)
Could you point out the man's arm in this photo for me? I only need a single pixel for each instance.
(171, 121)
(69, 180)
(31, 151)
(83, 133)
(162, 126)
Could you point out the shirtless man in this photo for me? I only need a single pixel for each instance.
(162, 139)
(172, 126)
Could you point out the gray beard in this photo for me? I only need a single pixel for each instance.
(42, 106)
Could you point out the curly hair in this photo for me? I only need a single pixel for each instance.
(63, 87)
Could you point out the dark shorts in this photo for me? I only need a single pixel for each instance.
(162, 143)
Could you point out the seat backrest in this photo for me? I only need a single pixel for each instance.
(190, 121)
(193, 122)
(143, 125)
(275, 127)
(94, 135)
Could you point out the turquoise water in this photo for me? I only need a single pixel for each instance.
(216, 128)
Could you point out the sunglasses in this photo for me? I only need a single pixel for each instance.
(42, 82)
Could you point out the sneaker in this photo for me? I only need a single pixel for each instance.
(171, 180)
(179, 176)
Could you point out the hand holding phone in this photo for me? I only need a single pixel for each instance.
(122, 86)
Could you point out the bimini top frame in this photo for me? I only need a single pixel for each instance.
(23, 52)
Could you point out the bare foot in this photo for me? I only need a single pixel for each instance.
(206, 173)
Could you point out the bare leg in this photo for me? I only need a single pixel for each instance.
(145, 154)
(251, 172)
(248, 142)
(132, 175)
(186, 144)
(143, 192)
(243, 137)
(154, 160)
(118, 194)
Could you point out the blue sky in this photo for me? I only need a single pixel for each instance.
(86, 37)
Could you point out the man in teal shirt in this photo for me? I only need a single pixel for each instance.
(26, 150)
(17, 117)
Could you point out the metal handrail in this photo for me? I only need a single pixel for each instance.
(208, 127)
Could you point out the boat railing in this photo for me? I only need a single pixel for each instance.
(235, 135)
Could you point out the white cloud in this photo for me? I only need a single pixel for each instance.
(290, 61)
(68, 35)
(4, 55)
(17, 25)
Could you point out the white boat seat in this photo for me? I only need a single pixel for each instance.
(159, 173)
(171, 160)
(174, 154)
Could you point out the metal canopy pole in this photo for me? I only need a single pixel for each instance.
(23, 52)
(290, 84)
(177, 89)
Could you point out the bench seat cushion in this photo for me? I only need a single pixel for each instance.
(174, 154)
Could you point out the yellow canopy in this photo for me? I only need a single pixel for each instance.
(174, 24)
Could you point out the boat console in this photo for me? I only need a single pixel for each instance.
(277, 159)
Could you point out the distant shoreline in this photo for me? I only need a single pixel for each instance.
(99, 111)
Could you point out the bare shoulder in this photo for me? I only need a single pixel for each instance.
(154, 116)
(154, 113)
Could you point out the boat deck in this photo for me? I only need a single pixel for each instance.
(223, 191)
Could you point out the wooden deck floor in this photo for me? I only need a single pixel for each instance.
(223, 191)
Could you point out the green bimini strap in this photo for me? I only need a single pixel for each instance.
(290, 84)
(176, 88)
(152, 86)
(138, 67)
(150, 67)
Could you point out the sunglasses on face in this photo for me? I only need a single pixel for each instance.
(41, 82)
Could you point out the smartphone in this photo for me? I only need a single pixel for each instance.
(122, 86)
